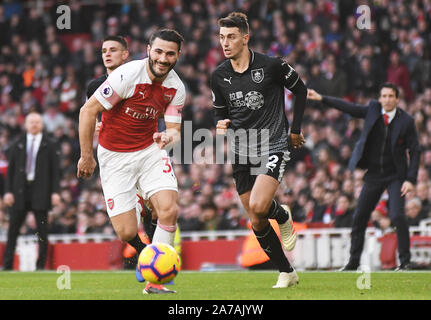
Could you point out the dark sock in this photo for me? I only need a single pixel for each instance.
(152, 229)
(277, 212)
(270, 243)
(149, 223)
(137, 243)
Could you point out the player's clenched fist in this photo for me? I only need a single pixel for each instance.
(86, 167)
(296, 140)
(222, 126)
(162, 139)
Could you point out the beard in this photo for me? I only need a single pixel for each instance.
(158, 74)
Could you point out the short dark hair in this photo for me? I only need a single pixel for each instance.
(390, 86)
(210, 206)
(348, 196)
(235, 19)
(118, 39)
(167, 35)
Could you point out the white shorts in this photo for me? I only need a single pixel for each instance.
(122, 173)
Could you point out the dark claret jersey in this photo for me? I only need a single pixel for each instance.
(94, 84)
(255, 100)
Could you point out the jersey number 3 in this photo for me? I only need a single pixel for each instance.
(167, 168)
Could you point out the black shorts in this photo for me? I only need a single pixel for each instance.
(246, 170)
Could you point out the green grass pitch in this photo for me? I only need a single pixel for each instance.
(237, 285)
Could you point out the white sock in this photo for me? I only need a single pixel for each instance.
(164, 234)
(138, 212)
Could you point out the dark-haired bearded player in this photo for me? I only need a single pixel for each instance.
(131, 100)
(115, 53)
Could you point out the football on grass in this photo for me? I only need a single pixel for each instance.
(159, 263)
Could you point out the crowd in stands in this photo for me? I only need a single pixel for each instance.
(47, 69)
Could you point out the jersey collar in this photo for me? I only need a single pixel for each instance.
(249, 64)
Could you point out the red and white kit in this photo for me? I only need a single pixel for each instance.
(128, 157)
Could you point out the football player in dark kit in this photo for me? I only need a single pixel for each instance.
(114, 53)
(248, 96)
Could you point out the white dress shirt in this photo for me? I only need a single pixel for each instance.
(391, 114)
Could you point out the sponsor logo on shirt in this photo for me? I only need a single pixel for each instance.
(149, 113)
(254, 100)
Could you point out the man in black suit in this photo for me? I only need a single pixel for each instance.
(389, 134)
(32, 184)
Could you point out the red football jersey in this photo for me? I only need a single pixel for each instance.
(133, 104)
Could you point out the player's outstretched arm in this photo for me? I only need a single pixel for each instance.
(87, 119)
(354, 109)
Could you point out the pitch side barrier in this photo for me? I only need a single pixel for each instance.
(316, 249)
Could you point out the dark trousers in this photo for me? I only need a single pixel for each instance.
(368, 199)
(16, 220)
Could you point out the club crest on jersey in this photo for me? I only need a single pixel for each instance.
(257, 75)
(168, 97)
(110, 203)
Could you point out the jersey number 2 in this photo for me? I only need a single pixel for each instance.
(272, 162)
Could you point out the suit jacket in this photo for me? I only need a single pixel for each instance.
(47, 173)
(404, 137)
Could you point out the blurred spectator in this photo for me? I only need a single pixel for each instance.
(4, 225)
(53, 118)
(399, 74)
(83, 223)
(100, 224)
(232, 219)
(335, 80)
(427, 161)
(294, 203)
(319, 206)
(209, 217)
(62, 222)
(329, 201)
(379, 216)
(366, 80)
(315, 80)
(422, 189)
(415, 212)
(188, 219)
(343, 212)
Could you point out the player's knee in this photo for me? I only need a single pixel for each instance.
(126, 234)
(168, 215)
